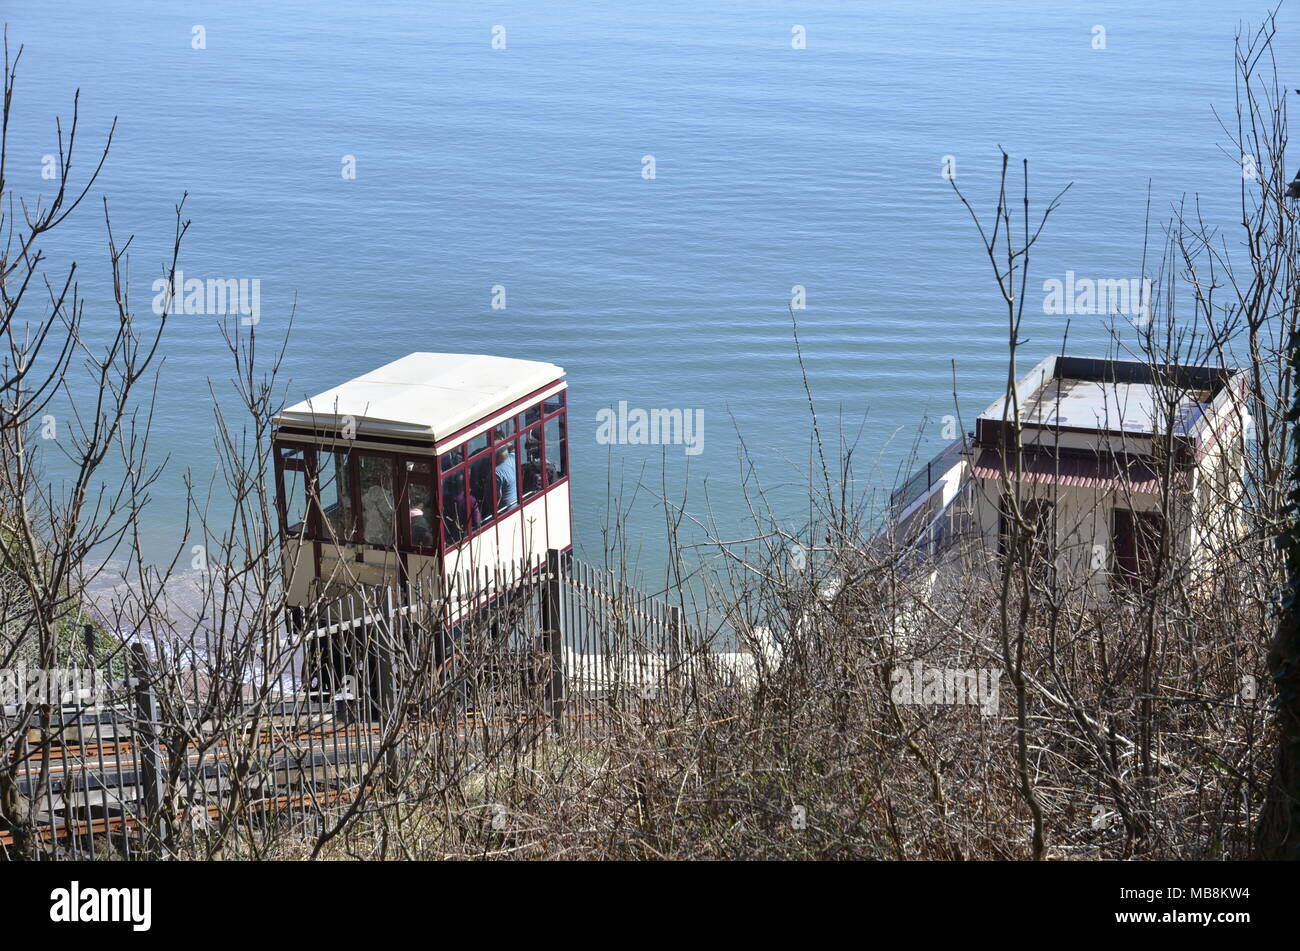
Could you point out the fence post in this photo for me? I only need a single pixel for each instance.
(553, 637)
(389, 715)
(675, 631)
(681, 658)
(385, 642)
(149, 759)
(91, 667)
(88, 641)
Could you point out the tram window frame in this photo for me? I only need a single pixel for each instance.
(529, 422)
(404, 475)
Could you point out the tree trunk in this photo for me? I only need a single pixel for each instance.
(1279, 824)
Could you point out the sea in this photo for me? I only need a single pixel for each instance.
(745, 211)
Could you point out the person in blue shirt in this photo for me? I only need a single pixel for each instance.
(507, 480)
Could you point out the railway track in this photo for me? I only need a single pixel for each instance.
(93, 790)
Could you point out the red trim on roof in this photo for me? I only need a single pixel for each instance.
(1080, 470)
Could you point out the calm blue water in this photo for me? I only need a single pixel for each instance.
(523, 167)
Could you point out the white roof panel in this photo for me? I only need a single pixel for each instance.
(424, 394)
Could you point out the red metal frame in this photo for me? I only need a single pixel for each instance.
(492, 516)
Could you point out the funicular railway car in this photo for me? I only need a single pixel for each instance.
(433, 468)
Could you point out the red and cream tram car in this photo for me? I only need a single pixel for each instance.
(435, 465)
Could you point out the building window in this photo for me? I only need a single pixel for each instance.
(1136, 538)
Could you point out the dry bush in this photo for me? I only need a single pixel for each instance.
(1122, 728)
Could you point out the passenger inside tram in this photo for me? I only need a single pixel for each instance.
(454, 508)
(421, 499)
(507, 479)
(531, 464)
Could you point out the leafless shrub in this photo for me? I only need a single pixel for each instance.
(1127, 730)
